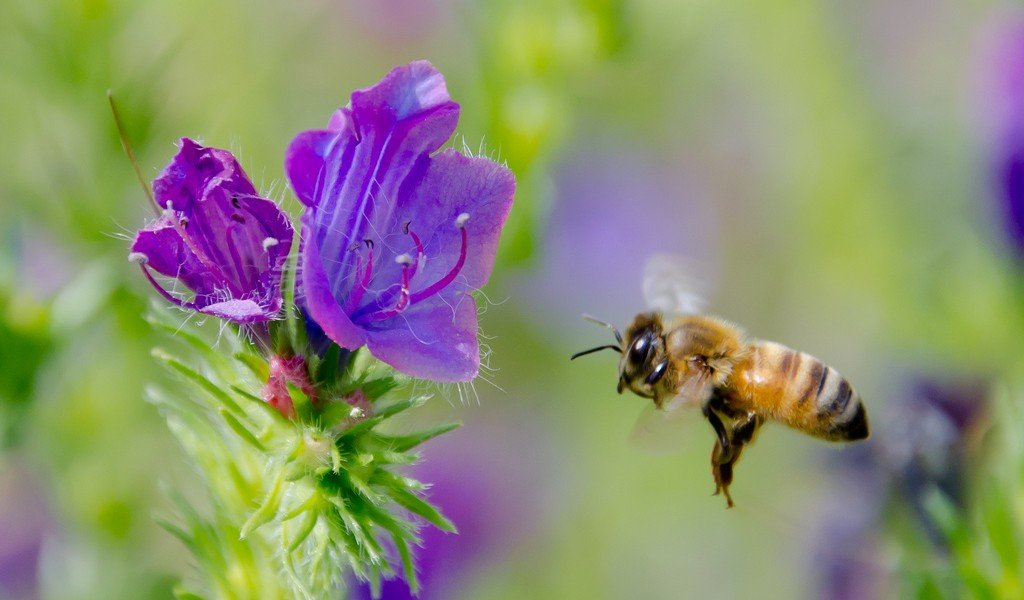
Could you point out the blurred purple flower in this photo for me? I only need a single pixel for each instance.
(919, 446)
(216, 236)
(24, 521)
(394, 238)
(399, 25)
(925, 447)
(1002, 108)
(616, 205)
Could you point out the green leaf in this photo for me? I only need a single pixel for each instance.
(304, 530)
(378, 388)
(384, 413)
(946, 516)
(174, 530)
(1002, 529)
(398, 489)
(301, 403)
(408, 566)
(360, 531)
(194, 376)
(259, 402)
(180, 333)
(329, 367)
(182, 594)
(308, 504)
(333, 413)
(401, 443)
(388, 457)
(240, 429)
(266, 512)
(256, 365)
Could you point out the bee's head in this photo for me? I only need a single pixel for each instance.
(644, 361)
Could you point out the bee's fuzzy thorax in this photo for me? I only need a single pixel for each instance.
(722, 344)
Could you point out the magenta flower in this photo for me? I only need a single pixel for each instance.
(216, 236)
(394, 237)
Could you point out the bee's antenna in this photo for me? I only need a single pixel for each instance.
(598, 349)
(131, 155)
(615, 330)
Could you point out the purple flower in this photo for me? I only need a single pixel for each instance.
(1002, 110)
(216, 236)
(394, 237)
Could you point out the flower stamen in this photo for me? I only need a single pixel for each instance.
(360, 289)
(450, 276)
(159, 288)
(420, 253)
(405, 298)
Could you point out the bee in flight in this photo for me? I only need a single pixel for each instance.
(677, 356)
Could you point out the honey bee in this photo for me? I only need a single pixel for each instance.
(677, 356)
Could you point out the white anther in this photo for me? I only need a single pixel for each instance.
(356, 413)
(170, 207)
(403, 259)
(138, 258)
(269, 243)
(460, 221)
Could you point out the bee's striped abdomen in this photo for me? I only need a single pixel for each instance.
(799, 390)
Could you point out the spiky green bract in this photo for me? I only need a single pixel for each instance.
(291, 503)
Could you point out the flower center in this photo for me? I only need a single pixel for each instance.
(410, 264)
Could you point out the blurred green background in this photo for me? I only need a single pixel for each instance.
(822, 161)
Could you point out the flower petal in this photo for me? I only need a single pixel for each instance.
(166, 252)
(304, 162)
(435, 342)
(317, 300)
(388, 258)
(195, 168)
(404, 92)
(399, 122)
(454, 185)
(216, 236)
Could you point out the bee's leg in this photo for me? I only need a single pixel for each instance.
(722, 472)
(742, 434)
(745, 428)
(723, 447)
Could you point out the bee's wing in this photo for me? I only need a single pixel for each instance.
(663, 430)
(659, 432)
(672, 285)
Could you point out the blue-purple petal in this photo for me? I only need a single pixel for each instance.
(304, 163)
(193, 170)
(436, 341)
(166, 253)
(455, 184)
(317, 300)
(406, 91)
(393, 238)
(1011, 186)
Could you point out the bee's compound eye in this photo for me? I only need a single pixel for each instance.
(638, 352)
(656, 374)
